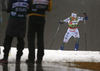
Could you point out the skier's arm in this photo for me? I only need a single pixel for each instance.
(82, 18)
(61, 21)
(64, 21)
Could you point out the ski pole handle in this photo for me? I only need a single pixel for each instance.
(84, 13)
(85, 16)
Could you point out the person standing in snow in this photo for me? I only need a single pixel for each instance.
(72, 29)
(36, 26)
(16, 27)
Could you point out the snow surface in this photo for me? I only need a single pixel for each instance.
(57, 55)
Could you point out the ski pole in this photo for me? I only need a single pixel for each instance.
(0, 17)
(85, 34)
(85, 31)
(0, 50)
(55, 35)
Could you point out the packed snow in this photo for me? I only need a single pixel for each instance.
(57, 55)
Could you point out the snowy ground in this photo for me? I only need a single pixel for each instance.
(58, 56)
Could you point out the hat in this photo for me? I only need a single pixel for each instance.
(74, 15)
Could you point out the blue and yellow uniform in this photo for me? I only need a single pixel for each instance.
(72, 21)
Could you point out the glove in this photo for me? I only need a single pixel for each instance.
(61, 22)
(85, 16)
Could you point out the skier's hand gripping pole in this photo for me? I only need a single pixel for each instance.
(55, 35)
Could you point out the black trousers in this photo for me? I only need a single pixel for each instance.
(7, 46)
(36, 27)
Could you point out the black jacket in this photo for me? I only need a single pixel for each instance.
(17, 20)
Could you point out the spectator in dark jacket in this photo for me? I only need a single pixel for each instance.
(16, 27)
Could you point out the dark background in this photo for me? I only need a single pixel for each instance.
(62, 9)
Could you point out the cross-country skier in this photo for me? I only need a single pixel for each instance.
(72, 29)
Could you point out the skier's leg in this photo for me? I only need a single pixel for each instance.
(76, 44)
(66, 38)
(76, 36)
(63, 45)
